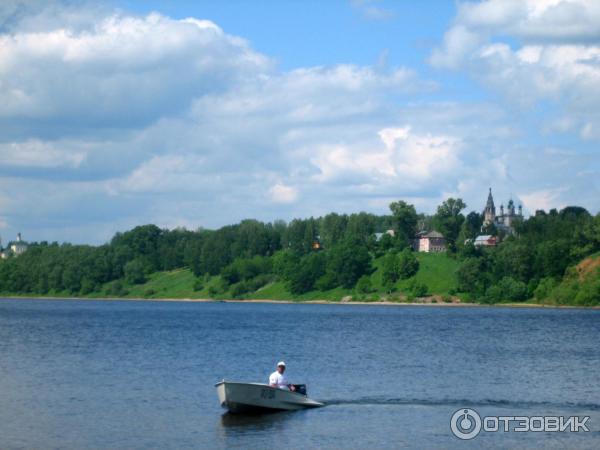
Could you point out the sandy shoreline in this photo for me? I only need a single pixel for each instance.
(313, 302)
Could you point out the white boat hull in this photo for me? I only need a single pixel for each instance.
(255, 398)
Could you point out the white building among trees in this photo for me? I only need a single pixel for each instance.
(15, 248)
(430, 242)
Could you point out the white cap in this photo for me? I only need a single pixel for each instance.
(280, 363)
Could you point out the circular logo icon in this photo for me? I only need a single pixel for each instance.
(465, 423)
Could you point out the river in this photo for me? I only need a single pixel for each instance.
(122, 374)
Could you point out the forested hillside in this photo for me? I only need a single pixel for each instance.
(327, 257)
(533, 263)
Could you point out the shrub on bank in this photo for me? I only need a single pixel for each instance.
(507, 289)
(364, 285)
(198, 284)
(116, 289)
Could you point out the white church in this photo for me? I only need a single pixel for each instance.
(15, 248)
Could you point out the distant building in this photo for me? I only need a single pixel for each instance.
(389, 232)
(503, 221)
(429, 242)
(15, 248)
(485, 240)
(316, 243)
(19, 246)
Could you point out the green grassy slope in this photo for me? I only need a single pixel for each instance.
(580, 286)
(278, 291)
(437, 272)
(173, 284)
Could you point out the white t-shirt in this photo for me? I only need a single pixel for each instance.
(278, 380)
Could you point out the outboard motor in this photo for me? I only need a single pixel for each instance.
(300, 388)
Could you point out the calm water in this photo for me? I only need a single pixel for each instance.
(85, 374)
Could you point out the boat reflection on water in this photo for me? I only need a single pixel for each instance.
(266, 429)
(255, 422)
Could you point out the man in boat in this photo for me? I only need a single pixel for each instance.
(278, 380)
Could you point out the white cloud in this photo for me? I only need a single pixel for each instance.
(420, 157)
(158, 174)
(545, 199)
(280, 193)
(459, 41)
(404, 158)
(533, 20)
(35, 153)
(122, 71)
(389, 136)
(370, 10)
(531, 51)
(119, 120)
(313, 95)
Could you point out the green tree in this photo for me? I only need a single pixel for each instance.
(551, 258)
(216, 250)
(390, 271)
(448, 220)
(507, 289)
(299, 236)
(417, 289)
(332, 229)
(310, 268)
(405, 218)
(408, 264)
(472, 276)
(134, 271)
(285, 262)
(386, 242)
(514, 259)
(361, 228)
(471, 227)
(348, 261)
(251, 238)
(143, 242)
(245, 269)
(192, 254)
(364, 285)
(544, 288)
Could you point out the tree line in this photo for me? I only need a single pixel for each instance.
(531, 263)
(336, 250)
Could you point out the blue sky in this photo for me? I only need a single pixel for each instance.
(307, 33)
(203, 113)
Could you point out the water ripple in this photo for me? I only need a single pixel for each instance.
(374, 401)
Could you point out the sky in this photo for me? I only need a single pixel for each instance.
(204, 113)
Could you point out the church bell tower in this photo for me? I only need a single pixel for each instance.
(489, 213)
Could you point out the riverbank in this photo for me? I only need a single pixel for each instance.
(314, 302)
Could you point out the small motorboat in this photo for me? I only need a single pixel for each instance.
(252, 398)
